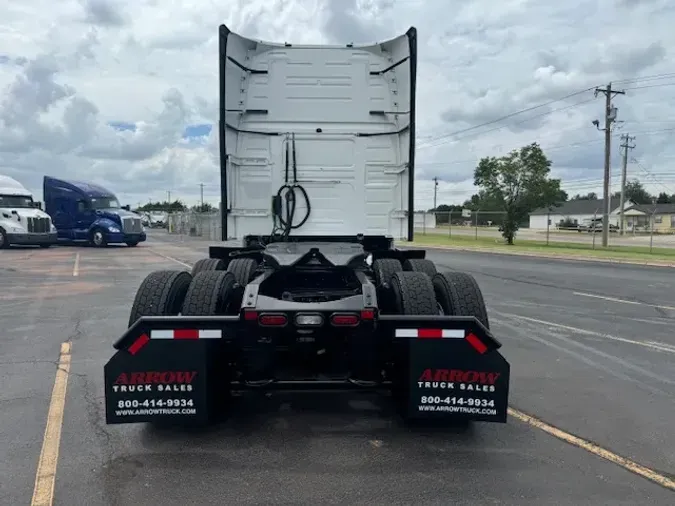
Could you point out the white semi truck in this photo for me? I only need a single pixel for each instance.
(317, 148)
(22, 222)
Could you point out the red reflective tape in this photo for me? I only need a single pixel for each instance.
(186, 334)
(429, 333)
(476, 343)
(138, 344)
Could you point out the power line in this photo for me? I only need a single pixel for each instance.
(511, 115)
(429, 142)
(554, 147)
(443, 139)
(650, 86)
(653, 77)
(649, 174)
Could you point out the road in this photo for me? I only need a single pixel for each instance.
(658, 241)
(590, 345)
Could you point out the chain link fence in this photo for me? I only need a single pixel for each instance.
(644, 231)
(480, 224)
(195, 224)
(485, 226)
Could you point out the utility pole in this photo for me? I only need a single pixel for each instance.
(168, 199)
(626, 138)
(610, 117)
(435, 191)
(201, 186)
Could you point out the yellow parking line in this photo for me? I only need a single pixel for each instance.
(43, 493)
(627, 464)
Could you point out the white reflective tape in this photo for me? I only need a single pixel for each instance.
(210, 334)
(453, 333)
(161, 334)
(406, 333)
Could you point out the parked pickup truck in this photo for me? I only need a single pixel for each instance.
(595, 225)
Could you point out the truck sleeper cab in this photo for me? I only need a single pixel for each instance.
(22, 222)
(88, 212)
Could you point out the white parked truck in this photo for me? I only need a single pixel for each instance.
(22, 222)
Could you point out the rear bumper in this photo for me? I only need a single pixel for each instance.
(32, 239)
(172, 369)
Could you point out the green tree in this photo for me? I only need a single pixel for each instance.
(663, 198)
(203, 208)
(518, 183)
(166, 206)
(588, 196)
(636, 192)
(444, 212)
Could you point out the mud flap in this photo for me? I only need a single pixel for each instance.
(169, 370)
(449, 368)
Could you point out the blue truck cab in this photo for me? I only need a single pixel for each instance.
(88, 212)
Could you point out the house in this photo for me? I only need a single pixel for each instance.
(577, 212)
(639, 217)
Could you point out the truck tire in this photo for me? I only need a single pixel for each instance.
(97, 238)
(211, 293)
(414, 294)
(458, 294)
(384, 269)
(243, 269)
(45, 246)
(131, 244)
(208, 264)
(420, 265)
(161, 294)
(4, 242)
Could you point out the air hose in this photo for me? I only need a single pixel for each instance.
(289, 200)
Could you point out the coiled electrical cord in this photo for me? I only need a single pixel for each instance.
(283, 227)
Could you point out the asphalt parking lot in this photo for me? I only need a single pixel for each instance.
(591, 349)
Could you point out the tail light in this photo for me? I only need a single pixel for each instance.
(250, 315)
(367, 314)
(344, 320)
(273, 320)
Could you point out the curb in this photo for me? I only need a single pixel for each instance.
(548, 256)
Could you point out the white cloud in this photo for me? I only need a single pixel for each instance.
(69, 70)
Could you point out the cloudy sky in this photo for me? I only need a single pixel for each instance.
(124, 92)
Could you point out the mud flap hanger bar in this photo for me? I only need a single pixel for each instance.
(468, 328)
(183, 327)
(399, 326)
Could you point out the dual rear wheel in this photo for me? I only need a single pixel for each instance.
(415, 287)
(209, 290)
